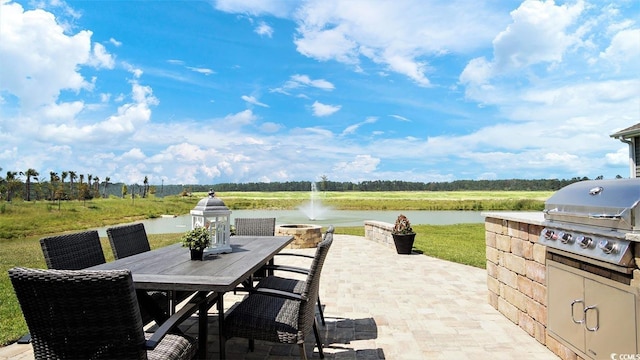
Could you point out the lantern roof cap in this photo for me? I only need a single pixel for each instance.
(211, 203)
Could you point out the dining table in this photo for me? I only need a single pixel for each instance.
(171, 269)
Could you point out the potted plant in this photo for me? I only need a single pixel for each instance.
(196, 240)
(403, 235)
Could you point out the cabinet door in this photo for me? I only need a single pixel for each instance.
(612, 312)
(565, 312)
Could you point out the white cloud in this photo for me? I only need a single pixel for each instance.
(620, 157)
(62, 112)
(133, 154)
(270, 127)
(34, 70)
(401, 118)
(362, 164)
(298, 81)
(252, 100)
(624, 48)
(538, 33)
(203, 71)
(353, 128)
(241, 118)
(137, 72)
(385, 33)
(100, 58)
(279, 8)
(320, 109)
(264, 29)
(128, 117)
(115, 42)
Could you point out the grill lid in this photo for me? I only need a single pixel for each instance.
(604, 203)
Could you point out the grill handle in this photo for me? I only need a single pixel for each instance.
(579, 301)
(586, 216)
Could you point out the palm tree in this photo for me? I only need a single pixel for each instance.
(96, 186)
(11, 183)
(106, 182)
(29, 173)
(1, 181)
(72, 177)
(81, 178)
(63, 176)
(54, 179)
(146, 187)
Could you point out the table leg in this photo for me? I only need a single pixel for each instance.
(202, 330)
(221, 337)
(270, 271)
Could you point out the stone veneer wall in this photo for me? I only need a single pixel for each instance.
(516, 277)
(516, 274)
(379, 231)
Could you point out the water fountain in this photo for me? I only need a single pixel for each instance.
(306, 235)
(313, 209)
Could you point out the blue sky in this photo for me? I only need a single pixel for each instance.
(203, 92)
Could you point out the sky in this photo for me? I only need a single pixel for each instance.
(206, 92)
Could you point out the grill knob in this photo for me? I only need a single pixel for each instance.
(550, 235)
(608, 247)
(566, 238)
(585, 242)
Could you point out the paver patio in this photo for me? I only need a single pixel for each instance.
(381, 305)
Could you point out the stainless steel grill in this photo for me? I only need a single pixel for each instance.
(590, 227)
(591, 220)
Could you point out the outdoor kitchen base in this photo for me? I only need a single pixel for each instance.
(569, 276)
(593, 315)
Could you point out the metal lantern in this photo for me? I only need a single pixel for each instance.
(212, 214)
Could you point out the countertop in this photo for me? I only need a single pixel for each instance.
(529, 217)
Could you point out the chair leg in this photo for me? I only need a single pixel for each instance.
(321, 312)
(318, 342)
(303, 353)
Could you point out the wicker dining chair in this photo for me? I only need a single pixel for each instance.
(127, 240)
(83, 314)
(73, 251)
(280, 316)
(81, 250)
(288, 284)
(131, 239)
(255, 226)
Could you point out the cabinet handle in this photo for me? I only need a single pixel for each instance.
(595, 328)
(580, 301)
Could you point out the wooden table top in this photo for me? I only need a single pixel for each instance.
(171, 268)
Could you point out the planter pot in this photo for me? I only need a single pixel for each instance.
(196, 254)
(403, 242)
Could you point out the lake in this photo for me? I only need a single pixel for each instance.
(182, 223)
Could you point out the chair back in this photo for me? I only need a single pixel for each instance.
(127, 240)
(73, 251)
(80, 314)
(312, 284)
(255, 226)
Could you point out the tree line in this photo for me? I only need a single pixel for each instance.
(31, 185)
(398, 185)
(70, 185)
